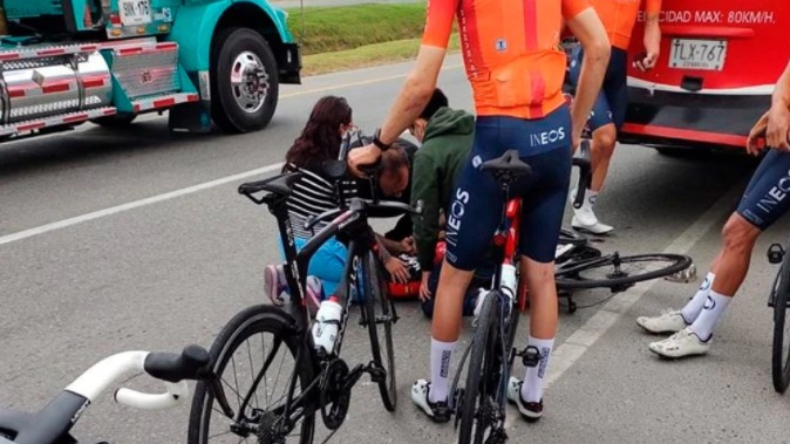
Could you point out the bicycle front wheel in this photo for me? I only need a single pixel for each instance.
(780, 359)
(242, 356)
(616, 272)
(380, 319)
(479, 407)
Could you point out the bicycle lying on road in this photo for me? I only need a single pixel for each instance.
(320, 380)
(52, 424)
(480, 406)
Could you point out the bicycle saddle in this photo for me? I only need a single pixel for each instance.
(507, 167)
(280, 185)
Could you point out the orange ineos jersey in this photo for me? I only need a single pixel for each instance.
(510, 49)
(619, 17)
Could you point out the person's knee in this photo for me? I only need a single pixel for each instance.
(539, 273)
(605, 139)
(739, 235)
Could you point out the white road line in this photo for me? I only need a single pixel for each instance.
(578, 343)
(7, 239)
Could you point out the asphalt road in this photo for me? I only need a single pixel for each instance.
(157, 271)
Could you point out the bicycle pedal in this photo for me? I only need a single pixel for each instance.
(775, 254)
(530, 357)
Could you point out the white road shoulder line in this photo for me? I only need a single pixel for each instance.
(7, 239)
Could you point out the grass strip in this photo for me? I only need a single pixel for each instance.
(339, 28)
(365, 56)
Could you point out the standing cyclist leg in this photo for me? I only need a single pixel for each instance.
(608, 113)
(516, 70)
(764, 202)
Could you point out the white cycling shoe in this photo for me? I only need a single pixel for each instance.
(669, 321)
(531, 411)
(584, 218)
(681, 344)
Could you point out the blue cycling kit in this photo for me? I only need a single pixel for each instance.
(611, 104)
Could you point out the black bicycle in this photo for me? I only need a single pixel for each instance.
(778, 301)
(317, 381)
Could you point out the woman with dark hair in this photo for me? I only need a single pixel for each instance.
(312, 194)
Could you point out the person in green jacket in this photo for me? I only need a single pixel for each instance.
(446, 136)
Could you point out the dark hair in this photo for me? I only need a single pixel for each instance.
(438, 100)
(320, 139)
(394, 159)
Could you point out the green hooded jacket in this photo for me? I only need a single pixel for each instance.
(437, 164)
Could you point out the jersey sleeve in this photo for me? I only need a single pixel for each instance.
(652, 6)
(439, 17)
(572, 8)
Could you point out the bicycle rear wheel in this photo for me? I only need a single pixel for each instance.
(780, 359)
(479, 407)
(618, 272)
(380, 319)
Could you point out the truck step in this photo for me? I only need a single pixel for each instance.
(59, 120)
(163, 101)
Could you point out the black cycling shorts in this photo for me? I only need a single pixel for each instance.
(611, 104)
(767, 197)
(477, 205)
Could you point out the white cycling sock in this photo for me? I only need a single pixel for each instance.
(532, 388)
(710, 315)
(694, 306)
(441, 355)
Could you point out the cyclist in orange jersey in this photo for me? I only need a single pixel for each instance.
(608, 113)
(516, 68)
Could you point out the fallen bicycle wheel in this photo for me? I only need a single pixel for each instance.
(618, 272)
(780, 356)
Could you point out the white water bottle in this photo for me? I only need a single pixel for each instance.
(327, 324)
(508, 281)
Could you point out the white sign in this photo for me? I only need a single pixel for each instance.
(698, 54)
(135, 12)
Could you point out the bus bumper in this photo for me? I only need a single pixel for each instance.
(671, 119)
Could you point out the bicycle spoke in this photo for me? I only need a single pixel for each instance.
(252, 367)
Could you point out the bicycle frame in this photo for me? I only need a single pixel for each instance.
(505, 239)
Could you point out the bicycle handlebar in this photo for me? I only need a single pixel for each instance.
(174, 369)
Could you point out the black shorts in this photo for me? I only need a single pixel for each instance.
(477, 205)
(767, 197)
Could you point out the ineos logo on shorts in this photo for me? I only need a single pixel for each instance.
(547, 137)
(457, 210)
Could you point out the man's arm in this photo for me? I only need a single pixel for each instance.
(779, 115)
(419, 85)
(589, 30)
(652, 37)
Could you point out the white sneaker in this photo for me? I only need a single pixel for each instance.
(584, 218)
(438, 411)
(683, 343)
(669, 321)
(531, 411)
